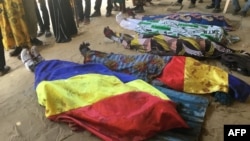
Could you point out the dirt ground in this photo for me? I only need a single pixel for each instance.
(23, 119)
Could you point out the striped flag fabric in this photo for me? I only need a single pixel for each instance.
(111, 105)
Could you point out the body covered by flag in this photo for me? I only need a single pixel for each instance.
(199, 18)
(113, 106)
(175, 28)
(191, 76)
(180, 73)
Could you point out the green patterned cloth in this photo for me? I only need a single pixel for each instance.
(177, 29)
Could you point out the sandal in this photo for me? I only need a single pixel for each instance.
(122, 38)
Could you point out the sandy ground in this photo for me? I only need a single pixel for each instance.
(23, 119)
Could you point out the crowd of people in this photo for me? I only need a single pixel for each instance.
(28, 20)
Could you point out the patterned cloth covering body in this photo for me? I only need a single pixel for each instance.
(178, 29)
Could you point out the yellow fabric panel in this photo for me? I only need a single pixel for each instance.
(211, 50)
(201, 78)
(192, 41)
(63, 95)
(135, 42)
(161, 40)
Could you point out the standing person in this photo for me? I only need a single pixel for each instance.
(43, 18)
(13, 26)
(215, 5)
(97, 8)
(237, 8)
(85, 17)
(62, 19)
(3, 68)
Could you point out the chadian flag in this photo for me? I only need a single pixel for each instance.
(192, 76)
(111, 105)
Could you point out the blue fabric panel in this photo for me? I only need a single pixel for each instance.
(192, 108)
(57, 69)
(238, 88)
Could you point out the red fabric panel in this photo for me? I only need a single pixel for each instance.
(131, 116)
(173, 73)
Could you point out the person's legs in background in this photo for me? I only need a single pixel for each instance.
(30, 18)
(3, 68)
(123, 6)
(211, 6)
(62, 19)
(40, 22)
(45, 17)
(15, 32)
(244, 10)
(236, 7)
(87, 11)
(215, 5)
(97, 8)
(139, 7)
(79, 10)
(217, 8)
(192, 4)
(109, 8)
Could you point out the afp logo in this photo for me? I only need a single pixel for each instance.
(241, 132)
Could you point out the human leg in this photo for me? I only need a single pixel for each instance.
(123, 6)
(97, 8)
(217, 3)
(245, 9)
(16, 27)
(45, 17)
(139, 7)
(3, 68)
(109, 8)
(31, 21)
(212, 5)
(192, 4)
(79, 10)
(30, 17)
(217, 8)
(236, 7)
(87, 11)
(62, 19)
(116, 6)
(40, 22)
